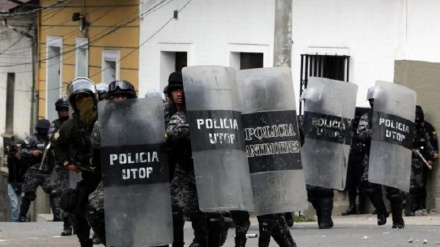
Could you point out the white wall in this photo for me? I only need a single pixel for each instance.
(373, 33)
(18, 53)
(366, 30)
(209, 30)
(423, 32)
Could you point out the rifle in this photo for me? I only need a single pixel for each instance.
(423, 159)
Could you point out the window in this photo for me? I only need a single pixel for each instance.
(10, 90)
(110, 66)
(54, 74)
(328, 66)
(171, 61)
(251, 60)
(82, 60)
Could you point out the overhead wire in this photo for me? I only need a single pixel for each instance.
(148, 11)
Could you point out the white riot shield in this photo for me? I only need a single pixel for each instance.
(214, 117)
(392, 135)
(272, 140)
(137, 199)
(329, 108)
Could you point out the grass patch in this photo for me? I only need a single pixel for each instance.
(303, 218)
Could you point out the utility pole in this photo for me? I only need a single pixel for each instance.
(283, 34)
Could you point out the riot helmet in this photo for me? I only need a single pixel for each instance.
(81, 85)
(42, 127)
(154, 93)
(420, 115)
(60, 104)
(121, 87)
(63, 101)
(102, 89)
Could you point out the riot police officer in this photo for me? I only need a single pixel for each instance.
(372, 190)
(423, 156)
(33, 151)
(209, 228)
(74, 150)
(355, 169)
(62, 108)
(118, 90)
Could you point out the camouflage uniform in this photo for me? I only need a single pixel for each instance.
(62, 172)
(38, 174)
(73, 145)
(95, 209)
(374, 191)
(183, 187)
(415, 198)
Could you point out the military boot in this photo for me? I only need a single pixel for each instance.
(266, 224)
(281, 234)
(326, 221)
(352, 203)
(409, 205)
(380, 208)
(55, 206)
(178, 225)
(289, 219)
(396, 210)
(199, 224)
(240, 234)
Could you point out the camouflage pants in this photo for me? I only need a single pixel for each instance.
(63, 178)
(184, 192)
(35, 178)
(417, 174)
(96, 198)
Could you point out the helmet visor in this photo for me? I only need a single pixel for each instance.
(81, 85)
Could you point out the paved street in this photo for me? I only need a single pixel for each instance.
(359, 230)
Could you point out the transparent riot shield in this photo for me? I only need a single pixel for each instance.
(220, 163)
(329, 107)
(392, 135)
(272, 140)
(137, 197)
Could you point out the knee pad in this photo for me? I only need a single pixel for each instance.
(218, 230)
(55, 192)
(30, 196)
(394, 194)
(371, 189)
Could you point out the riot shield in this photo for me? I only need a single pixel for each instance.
(272, 140)
(220, 163)
(137, 198)
(329, 108)
(392, 135)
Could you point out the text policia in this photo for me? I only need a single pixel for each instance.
(135, 158)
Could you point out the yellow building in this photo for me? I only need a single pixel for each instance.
(98, 39)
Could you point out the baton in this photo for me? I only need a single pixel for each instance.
(423, 159)
(44, 156)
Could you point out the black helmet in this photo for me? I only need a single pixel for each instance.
(81, 85)
(102, 89)
(174, 81)
(420, 115)
(121, 87)
(63, 101)
(42, 124)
